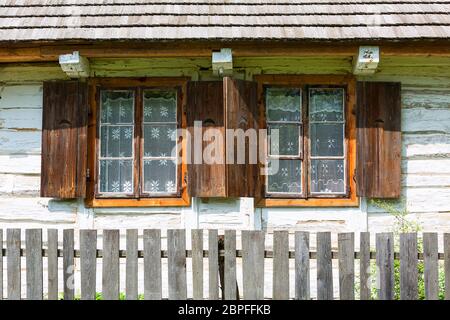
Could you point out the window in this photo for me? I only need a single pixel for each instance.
(136, 147)
(311, 140)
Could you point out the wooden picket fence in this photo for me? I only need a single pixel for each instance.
(221, 259)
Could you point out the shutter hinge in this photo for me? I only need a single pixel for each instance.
(88, 173)
(186, 178)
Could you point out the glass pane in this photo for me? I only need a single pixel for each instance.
(284, 176)
(326, 104)
(116, 141)
(160, 106)
(117, 107)
(327, 139)
(116, 176)
(160, 140)
(287, 142)
(327, 176)
(160, 176)
(283, 104)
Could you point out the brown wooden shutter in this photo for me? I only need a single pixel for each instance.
(64, 140)
(241, 112)
(378, 139)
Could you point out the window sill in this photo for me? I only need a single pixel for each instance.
(148, 202)
(317, 202)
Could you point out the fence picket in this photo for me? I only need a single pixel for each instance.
(68, 264)
(346, 252)
(447, 265)
(52, 263)
(131, 281)
(230, 291)
(213, 264)
(253, 264)
(34, 267)
(152, 264)
(88, 263)
(302, 274)
(408, 266)
(324, 267)
(385, 265)
(176, 254)
(110, 274)
(431, 269)
(13, 263)
(1, 264)
(364, 266)
(197, 264)
(280, 265)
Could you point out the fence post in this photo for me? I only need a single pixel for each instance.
(13, 263)
(364, 265)
(280, 265)
(1, 264)
(176, 252)
(302, 275)
(88, 263)
(34, 272)
(431, 265)
(110, 263)
(230, 265)
(131, 285)
(324, 267)
(52, 263)
(213, 265)
(253, 264)
(197, 264)
(447, 265)
(408, 266)
(385, 265)
(68, 264)
(152, 265)
(346, 248)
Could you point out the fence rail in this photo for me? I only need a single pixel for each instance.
(221, 259)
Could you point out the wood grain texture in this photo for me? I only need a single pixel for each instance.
(253, 264)
(197, 264)
(230, 292)
(324, 267)
(88, 264)
(110, 263)
(34, 264)
(378, 139)
(431, 265)
(346, 254)
(64, 139)
(447, 265)
(408, 266)
(364, 266)
(302, 267)
(213, 264)
(1, 264)
(13, 263)
(385, 265)
(152, 264)
(52, 264)
(68, 264)
(131, 281)
(280, 282)
(176, 259)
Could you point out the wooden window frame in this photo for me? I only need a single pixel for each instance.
(305, 82)
(93, 199)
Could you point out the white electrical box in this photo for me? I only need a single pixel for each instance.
(74, 65)
(367, 60)
(222, 62)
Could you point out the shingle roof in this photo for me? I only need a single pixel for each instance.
(27, 20)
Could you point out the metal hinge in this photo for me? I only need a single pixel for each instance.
(88, 174)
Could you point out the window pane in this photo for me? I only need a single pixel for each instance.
(116, 176)
(326, 104)
(327, 139)
(160, 176)
(117, 107)
(327, 176)
(284, 176)
(283, 104)
(160, 140)
(116, 141)
(287, 143)
(160, 106)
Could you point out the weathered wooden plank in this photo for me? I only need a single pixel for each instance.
(324, 267)
(68, 264)
(302, 275)
(280, 265)
(213, 264)
(431, 265)
(52, 263)
(131, 285)
(176, 256)
(253, 264)
(447, 265)
(34, 272)
(230, 291)
(88, 263)
(13, 263)
(1, 264)
(385, 265)
(346, 249)
(110, 275)
(197, 264)
(408, 266)
(152, 264)
(364, 266)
